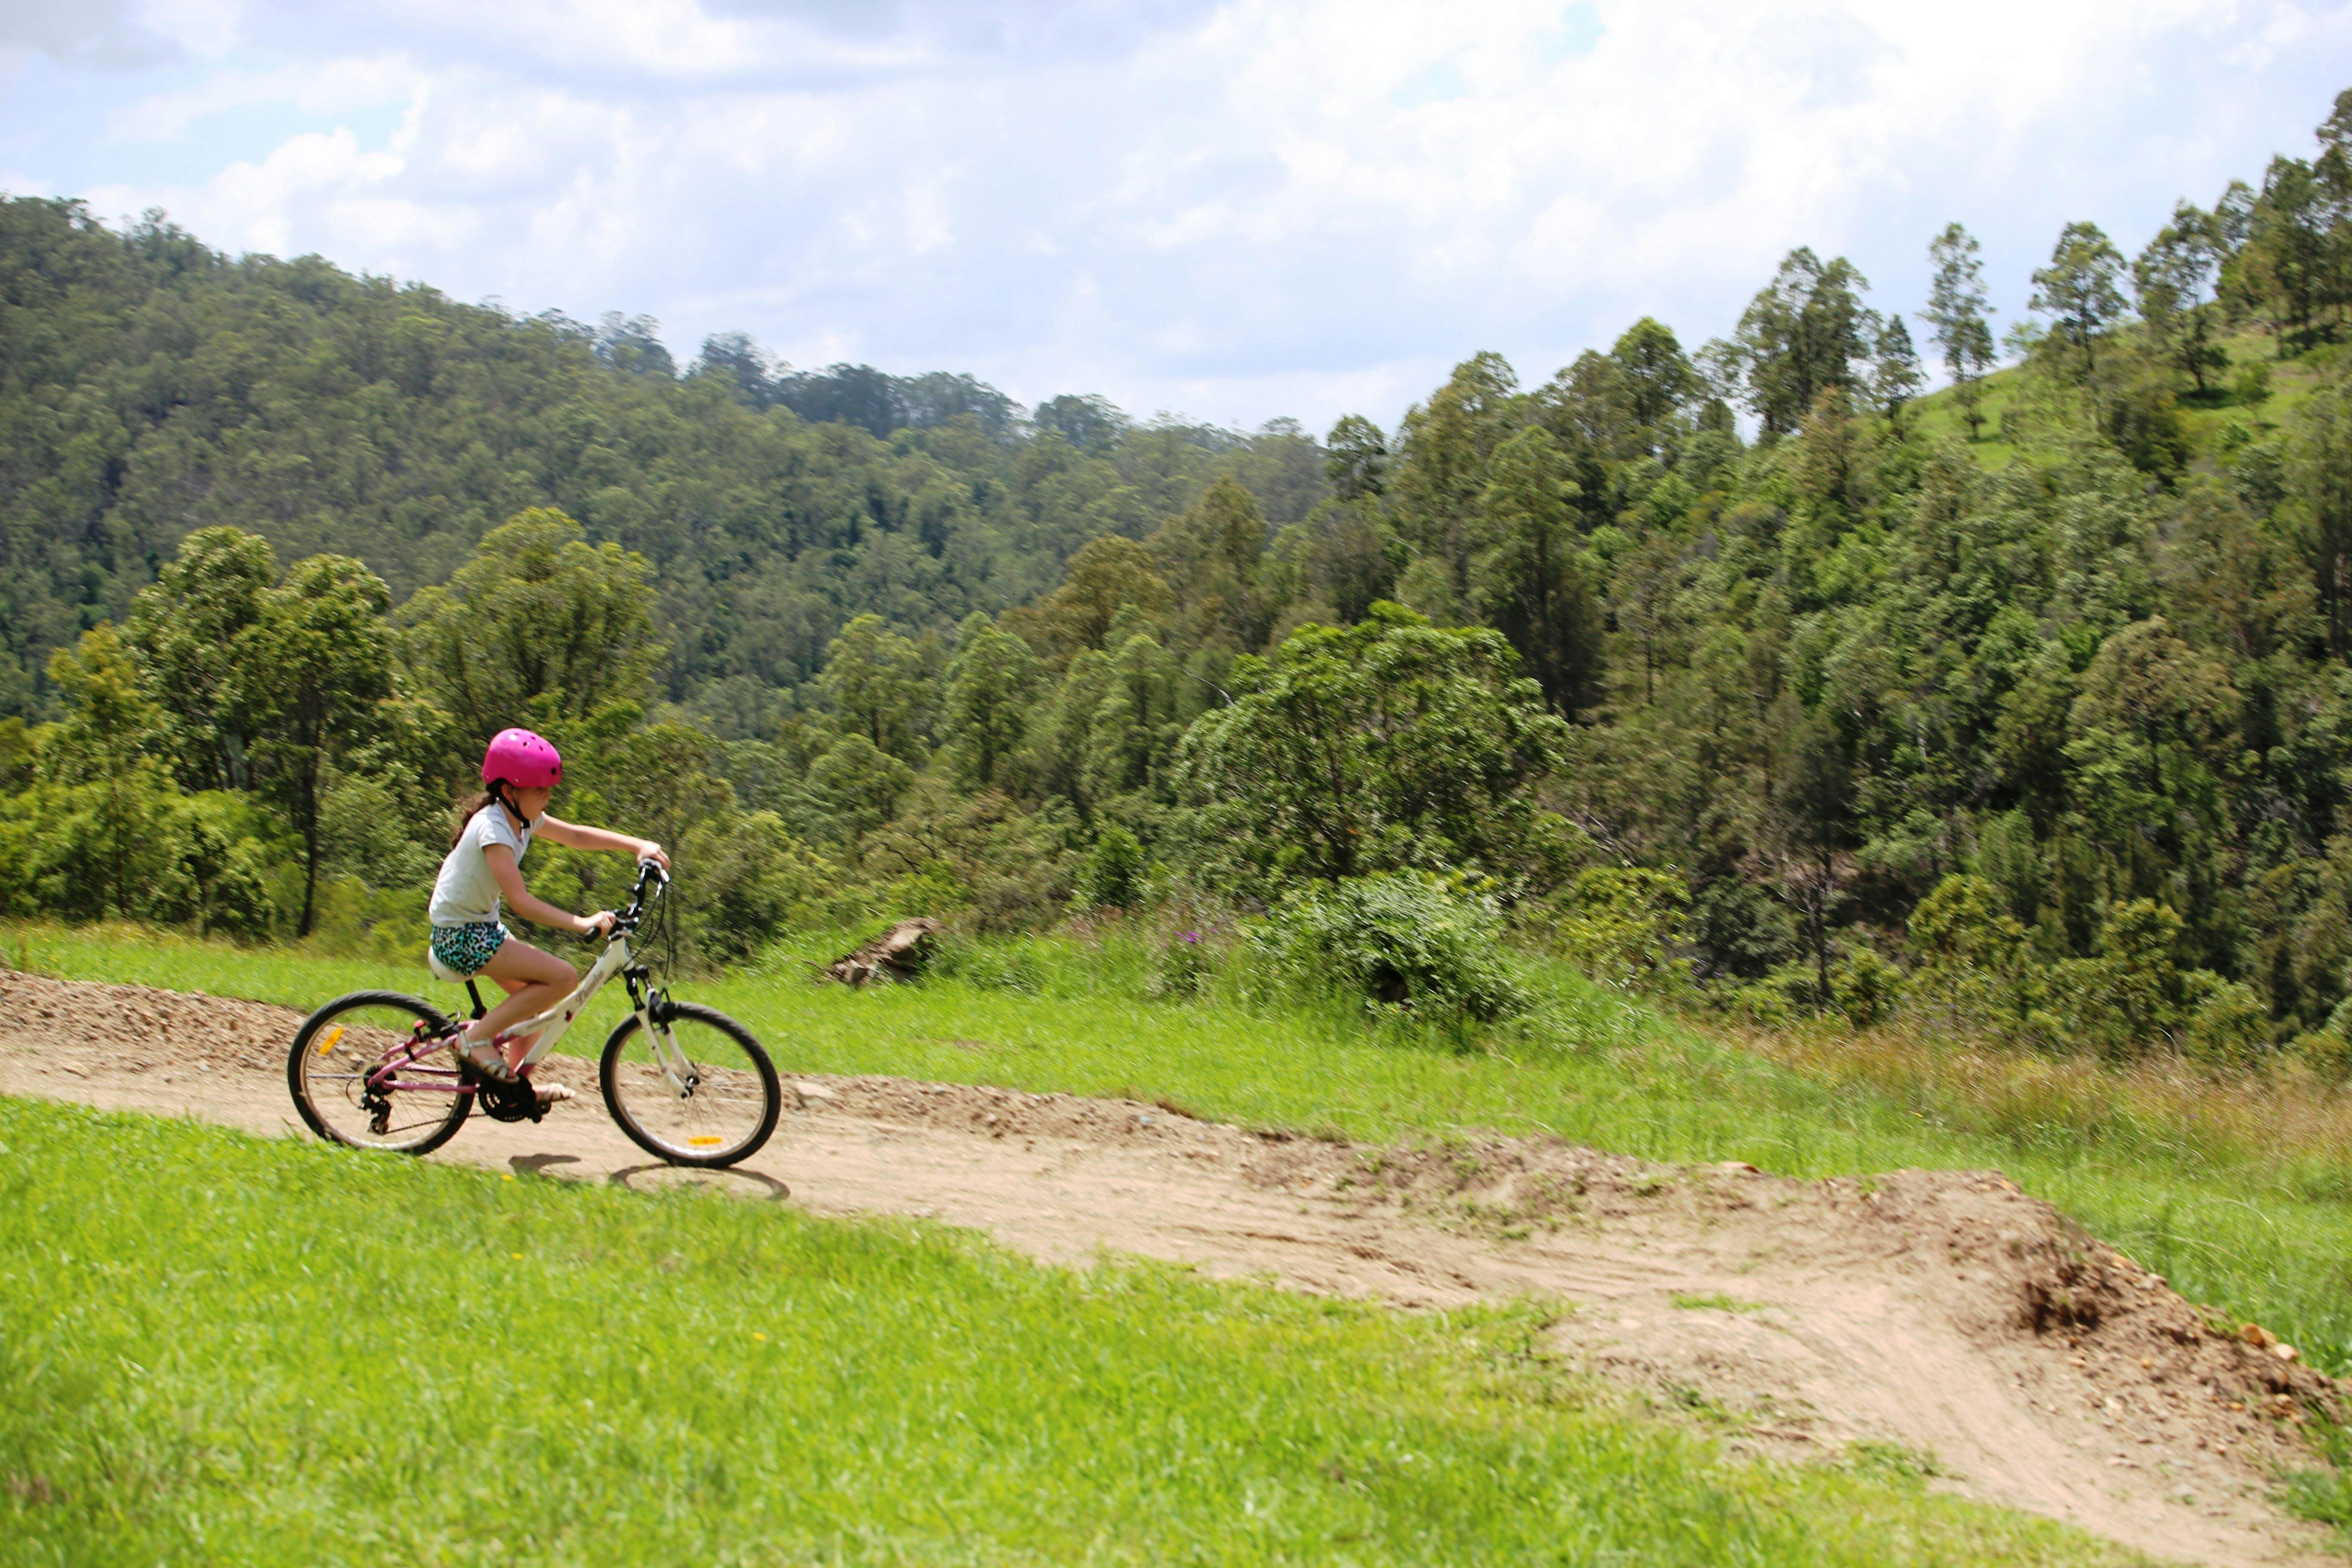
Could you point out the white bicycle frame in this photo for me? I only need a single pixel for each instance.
(551, 1024)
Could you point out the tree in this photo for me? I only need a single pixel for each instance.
(1132, 740)
(1387, 745)
(2285, 263)
(1108, 573)
(1527, 579)
(1642, 589)
(633, 343)
(1805, 331)
(854, 394)
(1812, 820)
(309, 674)
(875, 678)
(736, 364)
(1441, 472)
(1211, 555)
(1657, 377)
(2152, 720)
(537, 612)
(859, 785)
(1358, 460)
(2171, 280)
(2082, 287)
(1091, 423)
(182, 630)
(985, 714)
(1958, 309)
(1353, 558)
(1895, 377)
(2318, 513)
(105, 820)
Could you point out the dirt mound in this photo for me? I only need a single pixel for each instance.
(1943, 1319)
(137, 1029)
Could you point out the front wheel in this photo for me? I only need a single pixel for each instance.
(353, 1082)
(706, 1095)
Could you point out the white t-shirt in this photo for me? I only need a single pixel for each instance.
(465, 894)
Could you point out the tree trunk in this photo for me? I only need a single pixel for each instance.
(308, 812)
(898, 954)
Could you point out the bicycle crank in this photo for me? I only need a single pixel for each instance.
(505, 1101)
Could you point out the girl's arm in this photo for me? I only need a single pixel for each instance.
(572, 834)
(520, 900)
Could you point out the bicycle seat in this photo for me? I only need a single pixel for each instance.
(441, 971)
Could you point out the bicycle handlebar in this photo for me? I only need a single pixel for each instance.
(626, 917)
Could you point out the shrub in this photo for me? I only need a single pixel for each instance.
(1622, 921)
(2231, 1028)
(1976, 967)
(1006, 869)
(1739, 930)
(1403, 941)
(1864, 987)
(2326, 1052)
(1112, 876)
(751, 876)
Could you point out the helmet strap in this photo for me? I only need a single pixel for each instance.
(499, 792)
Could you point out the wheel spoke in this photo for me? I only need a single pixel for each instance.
(333, 1066)
(706, 1096)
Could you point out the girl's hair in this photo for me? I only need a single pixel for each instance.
(466, 805)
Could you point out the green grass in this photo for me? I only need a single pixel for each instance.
(587, 1375)
(2265, 1237)
(2323, 1494)
(2206, 417)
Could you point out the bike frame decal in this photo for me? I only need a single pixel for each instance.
(552, 1022)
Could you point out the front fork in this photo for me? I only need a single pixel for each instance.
(651, 1005)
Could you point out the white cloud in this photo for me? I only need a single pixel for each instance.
(319, 88)
(100, 34)
(1246, 209)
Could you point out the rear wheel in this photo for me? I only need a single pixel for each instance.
(338, 1075)
(707, 1096)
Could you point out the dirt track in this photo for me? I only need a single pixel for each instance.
(1942, 1311)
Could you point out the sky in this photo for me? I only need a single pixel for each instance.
(1227, 211)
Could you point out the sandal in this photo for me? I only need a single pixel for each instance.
(485, 1057)
(552, 1093)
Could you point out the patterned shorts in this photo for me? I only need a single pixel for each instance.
(469, 947)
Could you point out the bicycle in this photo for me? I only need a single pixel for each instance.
(687, 1084)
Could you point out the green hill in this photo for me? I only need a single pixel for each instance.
(1755, 618)
(150, 386)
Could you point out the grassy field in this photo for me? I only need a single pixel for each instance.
(2241, 1194)
(2206, 418)
(589, 1375)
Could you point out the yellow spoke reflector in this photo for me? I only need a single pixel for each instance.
(705, 1141)
(327, 1041)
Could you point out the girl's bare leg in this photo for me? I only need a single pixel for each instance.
(535, 981)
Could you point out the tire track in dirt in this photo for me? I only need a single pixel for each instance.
(1943, 1311)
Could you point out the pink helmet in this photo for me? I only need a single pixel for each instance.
(524, 760)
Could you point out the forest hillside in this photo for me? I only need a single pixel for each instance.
(1743, 672)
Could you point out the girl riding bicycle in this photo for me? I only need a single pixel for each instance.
(519, 772)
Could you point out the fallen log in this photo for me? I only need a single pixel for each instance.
(898, 954)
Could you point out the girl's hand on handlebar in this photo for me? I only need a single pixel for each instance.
(649, 850)
(601, 923)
